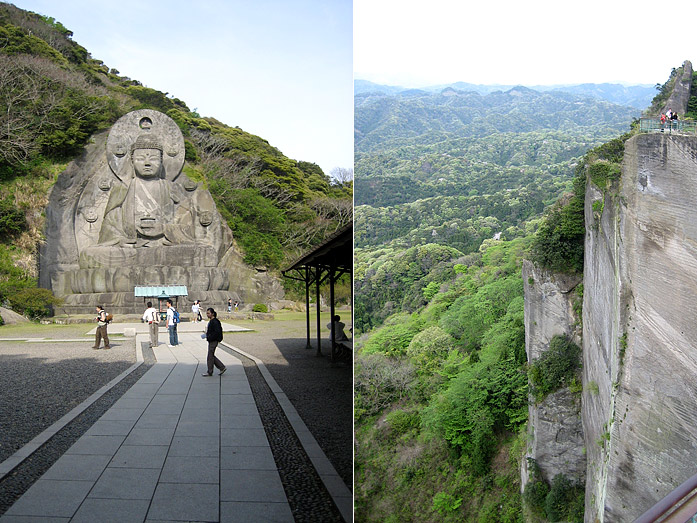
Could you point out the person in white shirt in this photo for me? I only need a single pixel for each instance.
(196, 309)
(153, 318)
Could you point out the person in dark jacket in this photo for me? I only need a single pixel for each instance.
(214, 335)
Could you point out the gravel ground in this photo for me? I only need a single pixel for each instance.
(42, 381)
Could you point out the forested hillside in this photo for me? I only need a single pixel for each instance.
(54, 95)
(452, 188)
(456, 168)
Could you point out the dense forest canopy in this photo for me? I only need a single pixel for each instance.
(456, 168)
(54, 95)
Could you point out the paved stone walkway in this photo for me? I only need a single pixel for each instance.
(177, 446)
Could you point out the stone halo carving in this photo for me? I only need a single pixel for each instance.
(90, 215)
(205, 218)
(145, 121)
(189, 184)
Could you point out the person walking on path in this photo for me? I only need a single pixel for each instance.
(101, 329)
(172, 325)
(150, 315)
(214, 335)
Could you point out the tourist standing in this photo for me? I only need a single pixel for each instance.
(674, 121)
(229, 304)
(151, 316)
(214, 335)
(196, 310)
(172, 321)
(101, 329)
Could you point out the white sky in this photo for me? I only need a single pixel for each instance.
(415, 43)
(280, 69)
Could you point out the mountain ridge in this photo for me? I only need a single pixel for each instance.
(638, 96)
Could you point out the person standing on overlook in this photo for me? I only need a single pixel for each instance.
(214, 335)
(101, 329)
(150, 315)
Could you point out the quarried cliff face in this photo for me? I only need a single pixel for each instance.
(640, 329)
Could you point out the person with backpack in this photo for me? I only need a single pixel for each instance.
(172, 322)
(214, 335)
(101, 328)
(151, 316)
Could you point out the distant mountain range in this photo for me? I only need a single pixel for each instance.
(637, 96)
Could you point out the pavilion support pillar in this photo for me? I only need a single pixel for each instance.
(307, 305)
(319, 327)
(332, 311)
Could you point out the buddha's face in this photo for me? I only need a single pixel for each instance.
(147, 162)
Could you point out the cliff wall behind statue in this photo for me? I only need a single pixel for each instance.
(640, 329)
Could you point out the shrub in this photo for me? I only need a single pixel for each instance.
(555, 367)
(444, 503)
(430, 290)
(536, 489)
(484, 399)
(260, 307)
(429, 348)
(563, 497)
(559, 241)
(402, 422)
(393, 339)
(379, 381)
(602, 172)
(12, 220)
(33, 302)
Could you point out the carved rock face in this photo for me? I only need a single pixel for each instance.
(125, 206)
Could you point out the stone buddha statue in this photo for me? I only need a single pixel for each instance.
(143, 211)
(150, 210)
(125, 214)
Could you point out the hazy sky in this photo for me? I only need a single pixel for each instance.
(280, 69)
(416, 43)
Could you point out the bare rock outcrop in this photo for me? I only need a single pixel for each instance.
(681, 91)
(555, 433)
(10, 317)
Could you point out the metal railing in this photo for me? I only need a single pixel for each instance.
(680, 506)
(654, 125)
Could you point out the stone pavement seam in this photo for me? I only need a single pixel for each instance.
(342, 496)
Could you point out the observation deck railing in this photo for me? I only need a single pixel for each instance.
(680, 506)
(654, 125)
